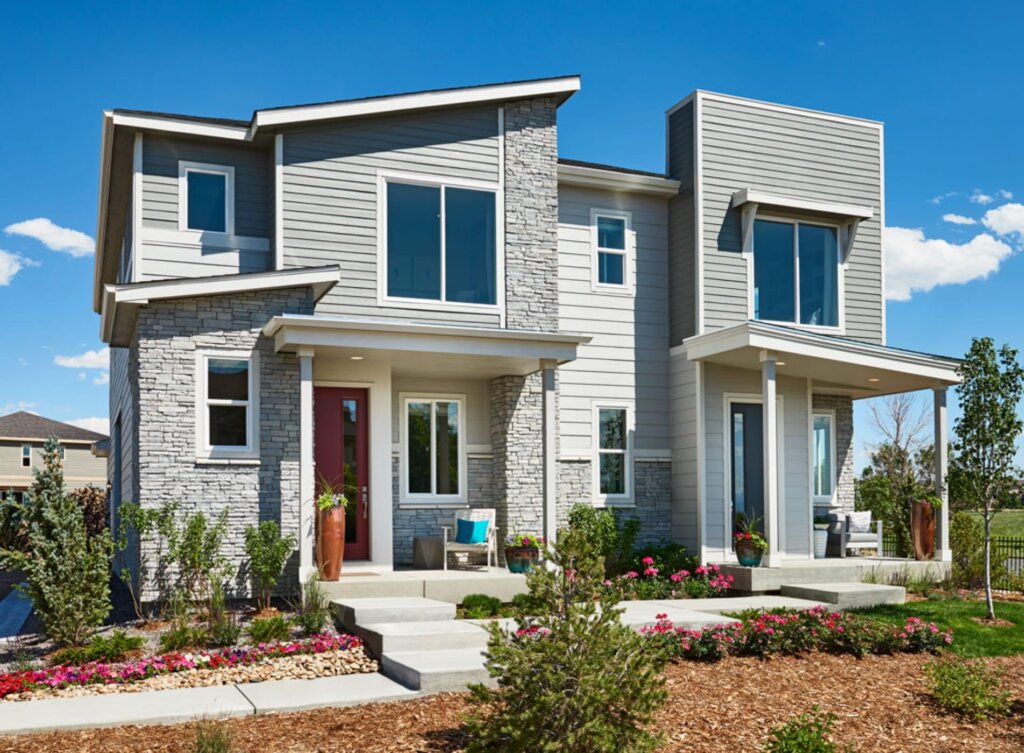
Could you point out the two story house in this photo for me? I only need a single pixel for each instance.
(414, 294)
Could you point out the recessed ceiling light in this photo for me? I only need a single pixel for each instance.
(356, 358)
(780, 363)
(874, 379)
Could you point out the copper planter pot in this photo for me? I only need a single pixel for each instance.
(922, 530)
(330, 542)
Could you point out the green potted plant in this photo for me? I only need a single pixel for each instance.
(821, 524)
(522, 551)
(331, 505)
(748, 541)
(922, 525)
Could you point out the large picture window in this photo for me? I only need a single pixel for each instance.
(441, 243)
(227, 399)
(613, 454)
(434, 448)
(796, 273)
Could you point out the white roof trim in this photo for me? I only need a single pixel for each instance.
(180, 125)
(769, 337)
(566, 85)
(595, 177)
(131, 297)
(794, 203)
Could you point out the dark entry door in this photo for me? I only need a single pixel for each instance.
(746, 435)
(341, 457)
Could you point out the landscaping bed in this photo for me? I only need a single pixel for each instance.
(881, 703)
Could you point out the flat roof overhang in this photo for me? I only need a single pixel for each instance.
(470, 352)
(835, 365)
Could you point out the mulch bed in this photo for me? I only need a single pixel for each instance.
(720, 708)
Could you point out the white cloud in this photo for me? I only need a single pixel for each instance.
(103, 378)
(915, 264)
(942, 197)
(90, 359)
(10, 265)
(1005, 220)
(99, 425)
(54, 237)
(979, 197)
(1004, 194)
(959, 219)
(14, 407)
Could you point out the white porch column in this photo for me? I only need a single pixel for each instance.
(944, 554)
(771, 458)
(306, 470)
(550, 451)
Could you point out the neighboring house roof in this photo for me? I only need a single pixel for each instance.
(23, 425)
(613, 168)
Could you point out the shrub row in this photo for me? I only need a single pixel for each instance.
(792, 632)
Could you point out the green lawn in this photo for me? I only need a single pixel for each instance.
(969, 638)
(1007, 523)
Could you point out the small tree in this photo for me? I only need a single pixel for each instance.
(267, 550)
(986, 436)
(67, 570)
(575, 679)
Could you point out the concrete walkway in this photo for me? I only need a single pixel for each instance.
(186, 704)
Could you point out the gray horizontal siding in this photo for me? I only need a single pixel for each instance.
(330, 194)
(627, 360)
(797, 154)
(682, 227)
(685, 479)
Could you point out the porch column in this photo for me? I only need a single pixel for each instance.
(306, 487)
(771, 458)
(944, 553)
(550, 450)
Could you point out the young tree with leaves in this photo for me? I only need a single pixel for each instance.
(986, 436)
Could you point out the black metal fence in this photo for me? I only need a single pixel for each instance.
(1007, 560)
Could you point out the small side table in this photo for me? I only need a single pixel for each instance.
(428, 552)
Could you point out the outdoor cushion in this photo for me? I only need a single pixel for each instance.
(471, 531)
(862, 538)
(858, 522)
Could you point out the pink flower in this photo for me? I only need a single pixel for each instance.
(648, 561)
(650, 571)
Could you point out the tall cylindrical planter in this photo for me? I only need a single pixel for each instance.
(330, 542)
(922, 530)
(820, 543)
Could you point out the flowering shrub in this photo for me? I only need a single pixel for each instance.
(127, 672)
(790, 632)
(700, 583)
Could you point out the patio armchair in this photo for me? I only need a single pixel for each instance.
(865, 538)
(488, 547)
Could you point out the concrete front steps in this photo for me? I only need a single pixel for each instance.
(418, 641)
(847, 595)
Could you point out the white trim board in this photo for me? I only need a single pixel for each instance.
(616, 180)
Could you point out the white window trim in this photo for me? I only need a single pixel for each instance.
(426, 304)
(840, 279)
(204, 450)
(184, 168)
(431, 500)
(612, 500)
(829, 500)
(628, 254)
(28, 456)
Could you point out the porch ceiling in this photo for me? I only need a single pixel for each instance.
(834, 364)
(465, 352)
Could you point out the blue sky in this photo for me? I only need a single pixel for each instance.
(944, 77)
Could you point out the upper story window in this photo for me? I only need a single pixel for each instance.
(434, 451)
(26, 456)
(823, 451)
(613, 464)
(60, 453)
(206, 197)
(610, 232)
(796, 273)
(227, 397)
(441, 243)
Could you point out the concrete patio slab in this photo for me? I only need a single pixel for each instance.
(116, 709)
(421, 636)
(731, 604)
(346, 690)
(436, 671)
(640, 614)
(848, 595)
(352, 612)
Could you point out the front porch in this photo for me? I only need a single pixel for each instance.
(451, 586)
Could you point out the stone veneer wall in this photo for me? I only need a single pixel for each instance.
(408, 523)
(843, 406)
(531, 215)
(163, 365)
(653, 483)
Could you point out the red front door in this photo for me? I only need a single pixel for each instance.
(341, 457)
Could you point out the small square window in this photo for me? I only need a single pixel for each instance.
(611, 233)
(610, 268)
